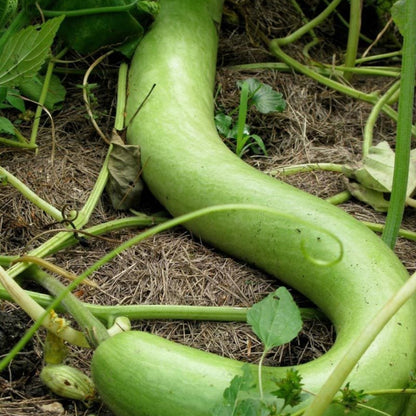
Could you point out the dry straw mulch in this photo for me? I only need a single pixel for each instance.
(319, 125)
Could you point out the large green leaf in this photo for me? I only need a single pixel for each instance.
(90, 32)
(26, 51)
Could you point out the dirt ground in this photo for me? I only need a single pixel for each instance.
(319, 125)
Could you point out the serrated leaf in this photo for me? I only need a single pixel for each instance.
(6, 126)
(290, 388)
(276, 319)
(263, 96)
(231, 395)
(238, 384)
(26, 51)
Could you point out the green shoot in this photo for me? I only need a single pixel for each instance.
(253, 93)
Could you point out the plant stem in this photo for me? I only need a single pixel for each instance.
(326, 70)
(209, 211)
(14, 143)
(40, 104)
(259, 373)
(307, 167)
(61, 238)
(310, 25)
(89, 11)
(404, 130)
(337, 86)
(339, 198)
(30, 195)
(91, 326)
(242, 117)
(332, 385)
(372, 118)
(36, 312)
(353, 36)
(378, 57)
(409, 235)
(108, 313)
(121, 97)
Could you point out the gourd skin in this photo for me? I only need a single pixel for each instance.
(187, 167)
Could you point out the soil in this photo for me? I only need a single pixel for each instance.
(319, 125)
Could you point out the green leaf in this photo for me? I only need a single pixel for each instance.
(369, 196)
(238, 384)
(231, 395)
(7, 9)
(56, 92)
(276, 319)
(351, 399)
(223, 122)
(6, 126)
(26, 51)
(290, 388)
(399, 15)
(375, 173)
(88, 33)
(263, 96)
(14, 100)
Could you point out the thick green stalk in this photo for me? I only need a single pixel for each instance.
(404, 129)
(37, 313)
(353, 36)
(91, 326)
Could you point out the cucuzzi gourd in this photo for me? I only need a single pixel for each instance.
(187, 167)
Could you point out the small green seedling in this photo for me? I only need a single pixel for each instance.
(253, 93)
(276, 321)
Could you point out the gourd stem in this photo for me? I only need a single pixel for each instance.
(92, 327)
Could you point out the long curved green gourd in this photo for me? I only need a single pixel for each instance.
(186, 166)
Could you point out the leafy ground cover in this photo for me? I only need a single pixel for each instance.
(318, 125)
